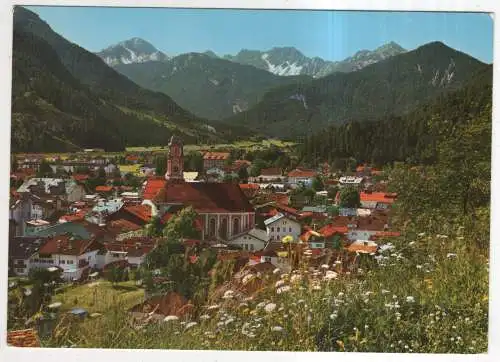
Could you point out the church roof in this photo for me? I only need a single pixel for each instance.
(205, 197)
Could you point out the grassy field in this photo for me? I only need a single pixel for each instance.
(99, 296)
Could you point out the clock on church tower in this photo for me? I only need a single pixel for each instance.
(175, 160)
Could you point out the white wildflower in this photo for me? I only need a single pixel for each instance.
(260, 305)
(279, 283)
(410, 299)
(189, 325)
(204, 317)
(330, 275)
(451, 255)
(385, 291)
(276, 271)
(171, 318)
(333, 316)
(341, 294)
(421, 234)
(283, 289)
(325, 266)
(229, 294)
(270, 307)
(419, 266)
(247, 278)
(411, 243)
(213, 307)
(278, 329)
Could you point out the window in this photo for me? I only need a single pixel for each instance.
(272, 229)
(278, 229)
(63, 262)
(236, 226)
(211, 228)
(70, 261)
(19, 270)
(290, 230)
(251, 247)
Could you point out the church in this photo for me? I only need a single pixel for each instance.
(225, 212)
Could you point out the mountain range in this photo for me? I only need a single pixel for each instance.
(392, 86)
(287, 61)
(66, 98)
(217, 87)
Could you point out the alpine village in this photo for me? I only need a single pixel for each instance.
(237, 203)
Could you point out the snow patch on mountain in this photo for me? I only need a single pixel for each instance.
(284, 69)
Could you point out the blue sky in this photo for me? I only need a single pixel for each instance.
(332, 35)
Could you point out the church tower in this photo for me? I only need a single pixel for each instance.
(175, 160)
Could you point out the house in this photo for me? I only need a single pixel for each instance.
(23, 338)
(147, 169)
(34, 226)
(223, 208)
(104, 190)
(102, 210)
(43, 207)
(377, 200)
(250, 190)
(133, 250)
(81, 229)
(363, 247)
(353, 181)
(20, 212)
(190, 176)
(110, 168)
(21, 250)
(67, 190)
(254, 239)
(270, 175)
(215, 160)
(279, 226)
(366, 227)
(301, 176)
(73, 255)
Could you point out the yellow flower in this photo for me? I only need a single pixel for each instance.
(341, 345)
(485, 298)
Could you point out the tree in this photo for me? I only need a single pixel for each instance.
(13, 164)
(349, 197)
(182, 225)
(332, 191)
(243, 174)
(154, 227)
(44, 170)
(317, 184)
(160, 163)
(257, 166)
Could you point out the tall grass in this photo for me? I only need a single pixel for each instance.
(427, 294)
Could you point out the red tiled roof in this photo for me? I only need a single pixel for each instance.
(62, 244)
(132, 158)
(287, 209)
(205, 197)
(143, 212)
(330, 230)
(80, 177)
(302, 173)
(383, 234)
(249, 186)
(134, 250)
(104, 188)
(122, 226)
(377, 197)
(79, 215)
(23, 338)
(216, 156)
(360, 248)
(153, 185)
(274, 171)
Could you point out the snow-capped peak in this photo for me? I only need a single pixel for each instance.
(135, 50)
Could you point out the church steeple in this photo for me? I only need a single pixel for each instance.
(175, 160)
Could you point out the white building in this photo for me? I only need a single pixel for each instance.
(350, 181)
(279, 226)
(254, 239)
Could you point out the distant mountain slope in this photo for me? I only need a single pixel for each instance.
(286, 61)
(392, 86)
(135, 50)
(62, 92)
(209, 87)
